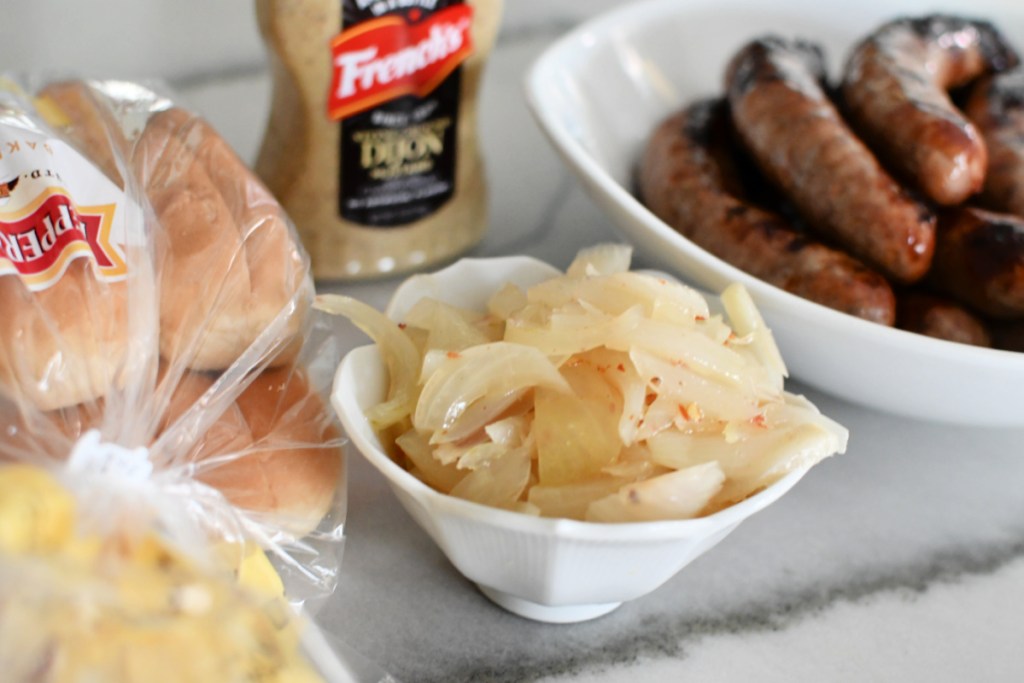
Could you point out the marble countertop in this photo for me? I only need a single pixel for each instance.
(902, 559)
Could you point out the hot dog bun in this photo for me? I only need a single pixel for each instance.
(63, 345)
(273, 448)
(71, 108)
(230, 264)
(273, 451)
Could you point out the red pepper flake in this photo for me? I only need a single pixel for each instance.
(620, 367)
(402, 326)
(691, 413)
(699, 318)
(453, 355)
(759, 420)
(655, 381)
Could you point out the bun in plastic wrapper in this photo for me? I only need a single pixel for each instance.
(159, 366)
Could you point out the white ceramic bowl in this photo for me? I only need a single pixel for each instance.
(599, 92)
(553, 570)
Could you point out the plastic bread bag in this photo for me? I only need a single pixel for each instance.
(125, 604)
(156, 342)
(80, 604)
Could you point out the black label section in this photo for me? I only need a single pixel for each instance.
(397, 160)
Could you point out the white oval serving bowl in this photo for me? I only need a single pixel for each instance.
(598, 92)
(552, 570)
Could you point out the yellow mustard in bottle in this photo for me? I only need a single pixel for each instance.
(371, 144)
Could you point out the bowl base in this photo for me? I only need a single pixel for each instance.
(552, 614)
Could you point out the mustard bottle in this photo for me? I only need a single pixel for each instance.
(371, 143)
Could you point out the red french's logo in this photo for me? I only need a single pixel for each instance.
(40, 243)
(385, 58)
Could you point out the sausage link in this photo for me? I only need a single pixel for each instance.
(996, 107)
(979, 260)
(895, 87)
(799, 140)
(939, 317)
(1008, 335)
(686, 177)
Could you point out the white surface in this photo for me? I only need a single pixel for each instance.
(553, 570)
(599, 91)
(902, 559)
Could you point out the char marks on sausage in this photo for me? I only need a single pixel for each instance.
(996, 107)
(688, 176)
(979, 259)
(801, 143)
(895, 91)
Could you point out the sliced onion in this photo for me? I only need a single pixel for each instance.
(506, 301)
(450, 452)
(571, 500)
(396, 349)
(619, 371)
(665, 412)
(432, 472)
(689, 348)
(481, 455)
(601, 259)
(635, 464)
(616, 293)
(679, 384)
(747, 320)
(471, 388)
(601, 394)
(677, 495)
(760, 462)
(449, 328)
(576, 433)
(432, 360)
(500, 483)
(569, 333)
(510, 431)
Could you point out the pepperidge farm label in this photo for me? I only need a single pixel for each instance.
(56, 207)
(396, 90)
